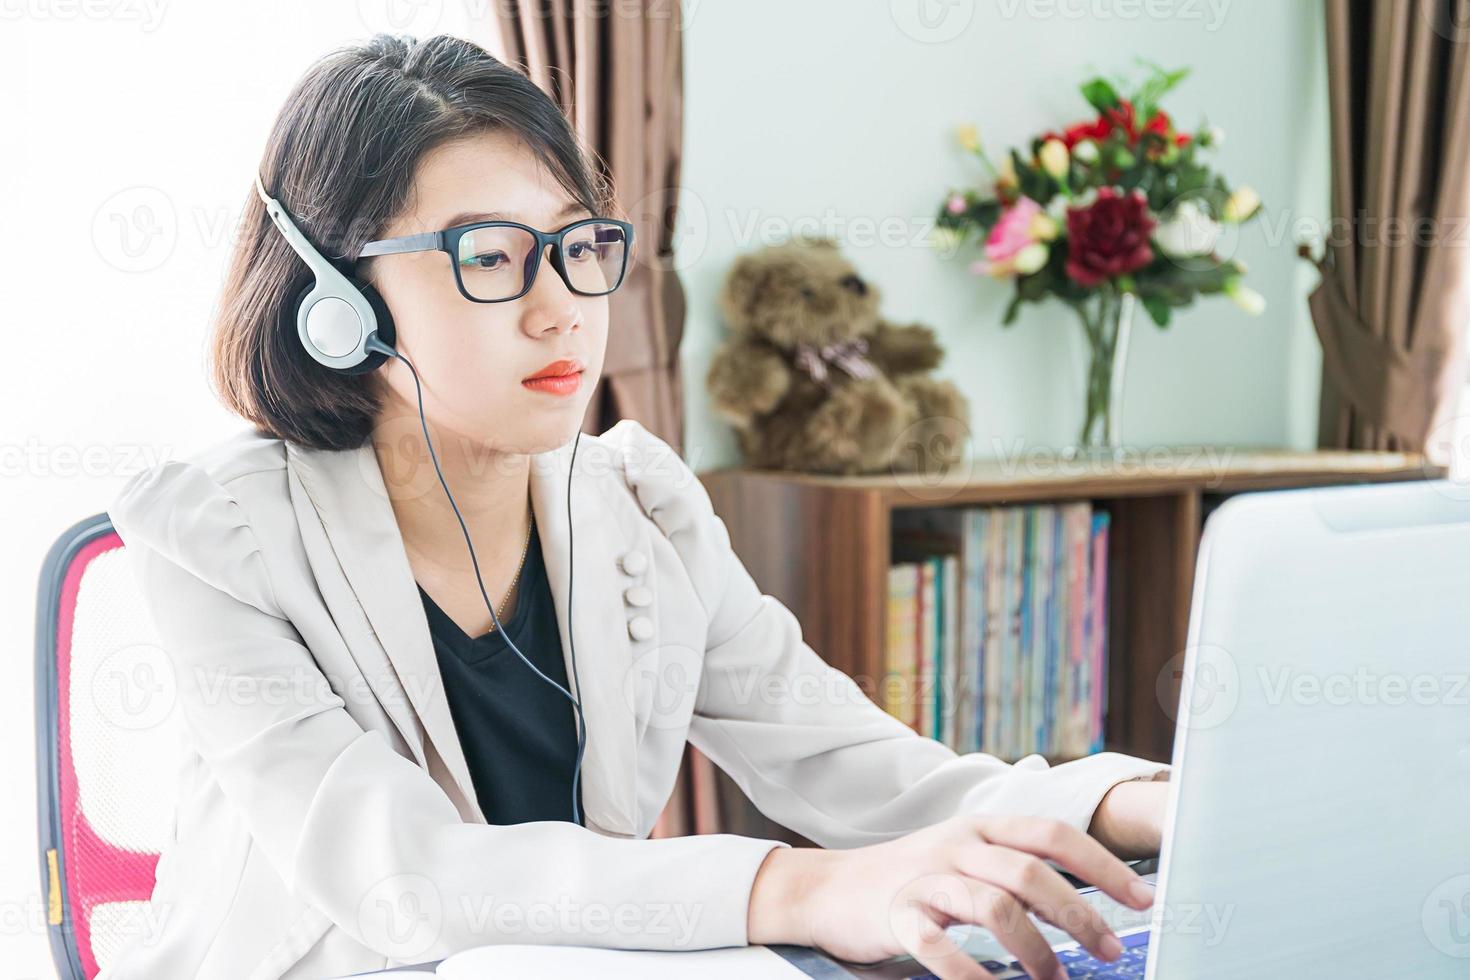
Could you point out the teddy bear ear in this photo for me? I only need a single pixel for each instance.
(743, 284)
(813, 240)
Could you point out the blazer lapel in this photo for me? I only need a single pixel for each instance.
(346, 487)
(351, 499)
(590, 582)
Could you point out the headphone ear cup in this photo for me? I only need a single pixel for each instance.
(385, 329)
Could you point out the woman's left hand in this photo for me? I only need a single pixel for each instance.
(1130, 819)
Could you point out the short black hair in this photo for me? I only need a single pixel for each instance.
(341, 158)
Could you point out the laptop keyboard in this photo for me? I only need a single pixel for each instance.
(1079, 963)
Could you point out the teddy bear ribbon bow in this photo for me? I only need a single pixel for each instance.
(847, 355)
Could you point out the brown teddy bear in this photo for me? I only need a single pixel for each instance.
(813, 379)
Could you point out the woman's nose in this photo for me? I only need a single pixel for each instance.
(550, 305)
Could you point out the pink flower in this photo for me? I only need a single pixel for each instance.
(1013, 231)
(956, 204)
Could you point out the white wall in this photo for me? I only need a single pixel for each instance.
(796, 113)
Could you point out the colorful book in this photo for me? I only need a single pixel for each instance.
(1099, 608)
(903, 582)
(997, 627)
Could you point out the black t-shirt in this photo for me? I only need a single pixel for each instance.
(519, 734)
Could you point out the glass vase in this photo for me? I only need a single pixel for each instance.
(1107, 320)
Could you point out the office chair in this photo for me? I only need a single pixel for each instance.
(108, 743)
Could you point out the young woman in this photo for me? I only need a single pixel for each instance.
(373, 599)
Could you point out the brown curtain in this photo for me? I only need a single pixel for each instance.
(1394, 302)
(617, 72)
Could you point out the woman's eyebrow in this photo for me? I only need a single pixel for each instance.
(466, 217)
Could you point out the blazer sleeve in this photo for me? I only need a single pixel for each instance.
(803, 741)
(350, 824)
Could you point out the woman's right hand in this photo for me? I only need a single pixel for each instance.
(869, 903)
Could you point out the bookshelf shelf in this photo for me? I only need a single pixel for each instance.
(823, 546)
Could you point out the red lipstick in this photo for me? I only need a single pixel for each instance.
(561, 377)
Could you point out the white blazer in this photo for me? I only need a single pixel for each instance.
(327, 822)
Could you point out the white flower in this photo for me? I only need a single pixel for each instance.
(1242, 204)
(1054, 158)
(1245, 297)
(944, 239)
(1006, 173)
(1045, 228)
(1031, 258)
(1086, 151)
(1187, 231)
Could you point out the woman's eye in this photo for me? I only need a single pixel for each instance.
(490, 261)
(580, 250)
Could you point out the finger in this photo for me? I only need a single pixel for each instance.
(1074, 850)
(920, 931)
(1003, 914)
(1041, 888)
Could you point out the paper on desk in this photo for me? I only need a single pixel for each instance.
(530, 960)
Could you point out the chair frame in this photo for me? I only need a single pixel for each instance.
(63, 560)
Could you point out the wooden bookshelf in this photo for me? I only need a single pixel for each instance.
(822, 545)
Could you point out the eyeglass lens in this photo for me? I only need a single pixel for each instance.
(494, 261)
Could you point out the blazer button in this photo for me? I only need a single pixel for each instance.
(638, 595)
(640, 627)
(634, 562)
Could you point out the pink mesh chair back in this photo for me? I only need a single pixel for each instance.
(108, 737)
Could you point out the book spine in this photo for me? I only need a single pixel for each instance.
(949, 644)
(1100, 632)
(903, 581)
(921, 699)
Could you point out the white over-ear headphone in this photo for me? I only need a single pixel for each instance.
(342, 320)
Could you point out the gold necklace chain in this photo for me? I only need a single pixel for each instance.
(525, 550)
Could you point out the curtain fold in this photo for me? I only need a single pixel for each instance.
(1394, 302)
(616, 70)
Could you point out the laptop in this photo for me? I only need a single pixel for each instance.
(1318, 821)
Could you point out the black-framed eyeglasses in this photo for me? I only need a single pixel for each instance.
(497, 261)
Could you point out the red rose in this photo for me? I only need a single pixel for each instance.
(1098, 129)
(1122, 119)
(1109, 238)
(1159, 124)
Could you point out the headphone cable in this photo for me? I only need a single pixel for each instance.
(375, 344)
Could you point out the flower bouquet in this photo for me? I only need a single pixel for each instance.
(1113, 212)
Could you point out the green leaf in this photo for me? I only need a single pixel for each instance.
(986, 213)
(1100, 94)
(1013, 308)
(1159, 82)
(1158, 310)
